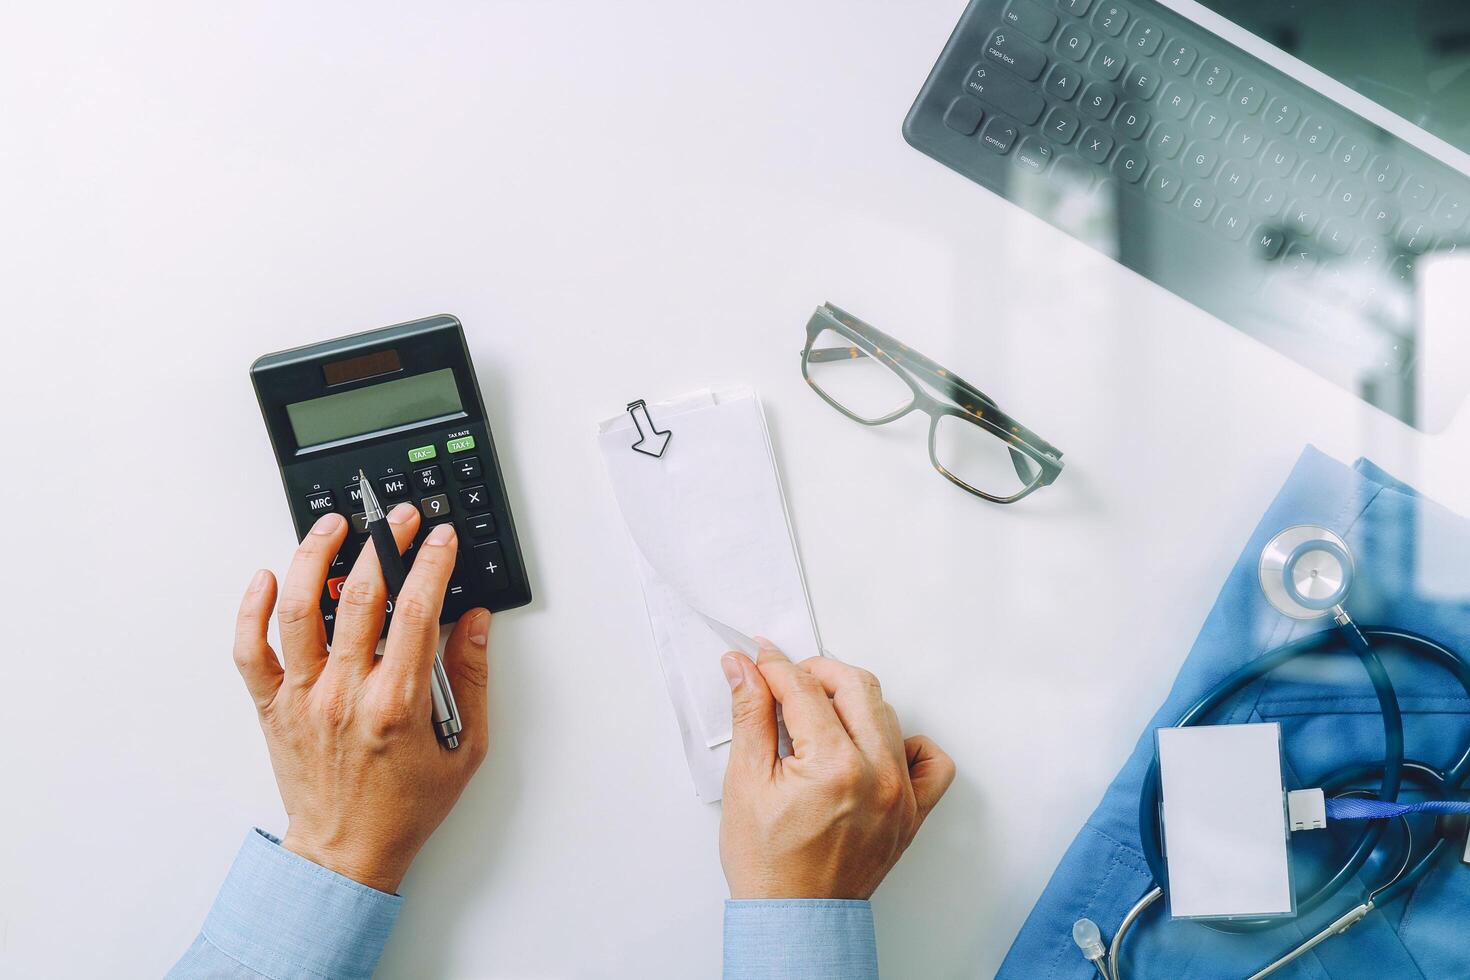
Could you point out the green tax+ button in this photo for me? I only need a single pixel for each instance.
(422, 453)
(461, 444)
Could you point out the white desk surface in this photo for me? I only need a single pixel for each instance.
(619, 200)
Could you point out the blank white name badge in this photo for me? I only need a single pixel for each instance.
(1225, 834)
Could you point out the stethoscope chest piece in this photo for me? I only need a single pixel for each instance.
(1306, 571)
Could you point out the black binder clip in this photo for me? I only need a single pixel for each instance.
(652, 441)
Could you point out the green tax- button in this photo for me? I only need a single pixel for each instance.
(422, 453)
(461, 444)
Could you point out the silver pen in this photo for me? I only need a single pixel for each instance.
(446, 713)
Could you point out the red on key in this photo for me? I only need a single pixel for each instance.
(334, 587)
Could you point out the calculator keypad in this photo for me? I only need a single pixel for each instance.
(481, 566)
(434, 507)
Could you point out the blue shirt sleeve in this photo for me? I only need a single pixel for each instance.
(280, 916)
(800, 939)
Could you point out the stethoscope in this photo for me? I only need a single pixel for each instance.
(1306, 573)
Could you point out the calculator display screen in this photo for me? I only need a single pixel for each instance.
(363, 411)
(1412, 57)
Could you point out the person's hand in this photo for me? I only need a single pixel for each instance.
(351, 739)
(831, 819)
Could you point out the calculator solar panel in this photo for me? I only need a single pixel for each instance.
(1215, 175)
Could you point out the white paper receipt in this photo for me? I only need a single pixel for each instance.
(714, 553)
(1225, 838)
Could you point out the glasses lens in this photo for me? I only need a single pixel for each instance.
(980, 459)
(862, 384)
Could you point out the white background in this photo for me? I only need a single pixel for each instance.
(619, 200)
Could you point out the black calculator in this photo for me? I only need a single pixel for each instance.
(402, 405)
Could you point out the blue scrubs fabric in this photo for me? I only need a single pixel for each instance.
(1413, 572)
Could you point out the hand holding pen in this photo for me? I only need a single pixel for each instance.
(362, 776)
(390, 559)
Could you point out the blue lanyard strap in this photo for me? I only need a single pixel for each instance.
(1356, 808)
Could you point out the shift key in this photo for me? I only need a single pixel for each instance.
(1005, 93)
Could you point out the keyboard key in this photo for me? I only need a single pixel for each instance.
(1034, 154)
(1021, 57)
(1244, 141)
(1349, 155)
(1418, 194)
(1072, 170)
(1313, 177)
(1383, 216)
(1269, 198)
(1073, 42)
(1248, 95)
(1279, 160)
(1303, 217)
(1142, 82)
(474, 498)
(1095, 145)
(1214, 76)
(466, 468)
(1335, 237)
(1180, 58)
(1450, 213)
(1282, 115)
(1130, 164)
(1316, 134)
(1132, 121)
(1416, 235)
(359, 522)
(1210, 120)
(1076, 8)
(1266, 241)
(489, 563)
(1177, 100)
(392, 488)
(1030, 18)
(481, 525)
(1061, 125)
(354, 495)
(321, 501)
(1164, 184)
(1369, 252)
(1097, 100)
(964, 115)
(1301, 259)
(1145, 38)
(1198, 203)
(1231, 221)
(428, 478)
(1348, 197)
(1234, 179)
(1384, 174)
(1005, 93)
(1201, 159)
(1108, 62)
(998, 134)
(1166, 140)
(1063, 82)
(1402, 268)
(436, 506)
(1110, 19)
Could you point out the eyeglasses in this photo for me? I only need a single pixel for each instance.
(873, 379)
